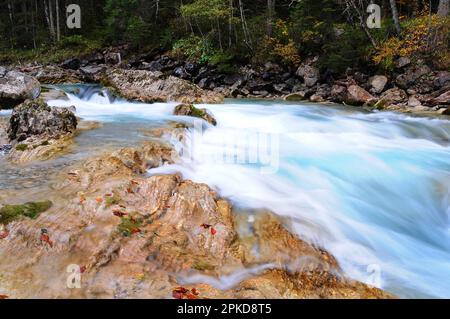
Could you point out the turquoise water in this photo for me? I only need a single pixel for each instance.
(371, 188)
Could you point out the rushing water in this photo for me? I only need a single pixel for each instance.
(372, 188)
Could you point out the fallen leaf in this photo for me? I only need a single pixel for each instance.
(205, 226)
(46, 239)
(191, 296)
(213, 231)
(82, 269)
(181, 289)
(4, 297)
(99, 200)
(134, 182)
(129, 191)
(135, 231)
(4, 234)
(177, 295)
(195, 291)
(118, 213)
(108, 195)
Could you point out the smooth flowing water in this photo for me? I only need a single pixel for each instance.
(371, 188)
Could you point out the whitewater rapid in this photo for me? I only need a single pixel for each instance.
(371, 188)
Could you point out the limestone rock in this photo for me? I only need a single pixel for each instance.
(149, 86)
(16, 87)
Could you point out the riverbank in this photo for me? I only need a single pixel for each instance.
(412, 87)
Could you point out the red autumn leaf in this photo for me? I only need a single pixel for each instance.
(135, 231)
(4, 234)
(205, 226)
(46, 239)
(4, 297)
(191, 296)
(177, 295)
(213, 231)
(133, 182)
(195, 291)
(108, 195)
(129, 191)
(99, 199)
(118, 213)
(82, 269)
(181, 290)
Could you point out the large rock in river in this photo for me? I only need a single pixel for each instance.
(149, 86)
(35, 118)
(191, 110)
(16, 87)
(356, 95)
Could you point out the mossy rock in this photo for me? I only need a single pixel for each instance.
(128, 226)
(21, 147)
(9, 213)
(115, 199)
(191, 110)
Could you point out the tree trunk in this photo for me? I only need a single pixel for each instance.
(58, 30)
(49, 18)
(394, 11)
(444, 8)
(270, 15)
(157, 11)
(230, 24)
(11, 20)
(247, 39)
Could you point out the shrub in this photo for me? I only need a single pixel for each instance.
(423, 37)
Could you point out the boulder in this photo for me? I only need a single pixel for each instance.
(191, 68)
(356, 95)
(181, 73)
(72, 64)
(191, 110)
(149, 86)
(16, 87)
(92, 73)
(411, 75)
(402, 62)
(442, 79)
(442, 99)
(297, 96)
(152, 66)
(378, 83)
(113, 58)
(57, 75)
(338, 93)
(414, 101)
(309, 74)
(392, 96)
(36, 118)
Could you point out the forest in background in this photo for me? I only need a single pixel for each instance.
(230, 32)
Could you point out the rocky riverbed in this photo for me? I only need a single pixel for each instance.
(134, 236)
(412, 87)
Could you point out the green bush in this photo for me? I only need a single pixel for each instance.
(350, 49)
(194, 48)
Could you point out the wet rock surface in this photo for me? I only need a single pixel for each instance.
(191, 110)
(16, 87)
(36, 118)
(138, 236)
(38, 131)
